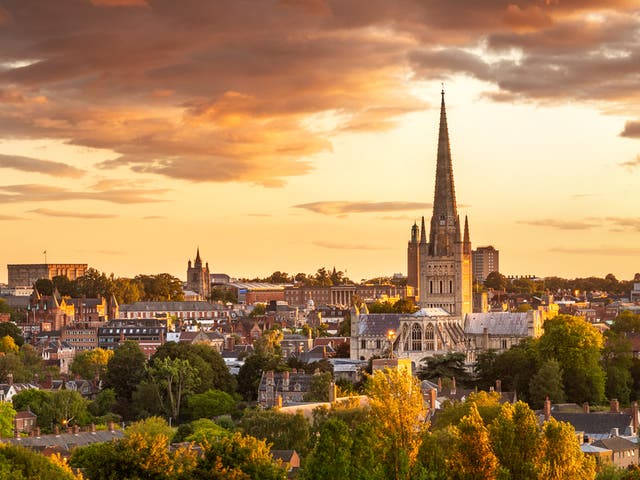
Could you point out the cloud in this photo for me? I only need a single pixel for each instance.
(631, 130)
(64, 214)
(343, 207)
(47, 193)
(9, 217)
(632, 223)
(561, 224)
(153, 217)
(266, 215)
(27, 164)
(631, 164)
(347, 246)
(601, 251)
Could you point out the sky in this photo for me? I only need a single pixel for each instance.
(295, 134)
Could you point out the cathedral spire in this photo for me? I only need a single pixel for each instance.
(444, 202)
(197, 261)
(466, 243)
(423, 232)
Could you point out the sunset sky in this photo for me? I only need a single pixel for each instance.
(294, 134)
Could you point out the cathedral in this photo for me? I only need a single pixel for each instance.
(199, 278)
(439, 266)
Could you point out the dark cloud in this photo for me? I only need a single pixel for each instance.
(631, 130)
(228, 96)
(27, 164)
(561, 224)
(47, 193)
(65, 214)
(347, 246)
(343, 208)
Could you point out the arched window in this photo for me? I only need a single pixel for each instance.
(429, 336)
(405, 335)
(416, 337)
(441, 290)
(430, 286)
(450, 286)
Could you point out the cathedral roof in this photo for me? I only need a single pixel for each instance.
(444, 202)
(432, 312)
(498, 323)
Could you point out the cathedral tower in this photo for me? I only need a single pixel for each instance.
(199, 278)
(444, 272)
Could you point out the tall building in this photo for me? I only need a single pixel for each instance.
(199, 278)
(485, 260)
(25, 275)
(444, 274)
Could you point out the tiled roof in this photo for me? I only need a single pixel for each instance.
(378, 324)
(594, 423)
(616, 444)
(66, 441)
(168, 307)
(497, 323)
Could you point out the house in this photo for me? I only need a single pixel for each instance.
(624, 452)
(25, 421)
(9, 389)
(283, 388)
(290, 458)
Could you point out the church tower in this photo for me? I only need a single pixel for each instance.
(445, 278)
(199, 278)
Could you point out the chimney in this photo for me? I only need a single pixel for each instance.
(585, 407)
(10, 378)
(499, 386)
(453, 386)
(38, 432)
(285, 380)
(333, 392)
(615, 432)
(279, 401)
(93, 428)
(547, 409)
(433, 393)
(485, 338)
(110, 426)
(56, 430)
(76, 429)
(16, 432)
(634, 415)
(615, 406)
(439, 384)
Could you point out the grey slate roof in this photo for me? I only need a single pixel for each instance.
(378, 324)
(168, 307)
(595, 423)
(616, 444)
(65, 441)
(497, 323)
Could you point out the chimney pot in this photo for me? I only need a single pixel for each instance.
(547, 409)
(585, 407)
(615, 405)
(499, 386)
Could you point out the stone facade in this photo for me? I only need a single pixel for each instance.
(444, 277)
(25, 275)
(199, 277)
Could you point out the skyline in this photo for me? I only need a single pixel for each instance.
(291, 135)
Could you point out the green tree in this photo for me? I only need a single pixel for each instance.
(175, 379)
(65, 287)
(39, 402)
(162, 287)
(94, 284)
(561, 455)
(127, 290)
(331, 457)
(250, 372)
(449, 365)
(577, 346)
(319, 387)
(104, 402)
(211, 403)
(11, 329)
(547, 382)
(150, 429)
(259, 309)
(125, 371)
(91, 364)
(496, 281)
(284, 431)
(486, 403)
(7, 414)
(44, 286)
(68, 407)
(19, 463)
(397, 418)
(473, 457)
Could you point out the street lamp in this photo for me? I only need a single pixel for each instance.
(391, 336)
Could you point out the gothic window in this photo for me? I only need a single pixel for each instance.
(416, 337)
(405, 335)
(429, 337)
(378, 344)
(363, 344)
(441, 290)
(430, 286)
(450, 286)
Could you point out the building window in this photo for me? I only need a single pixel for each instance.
(429, 336)
(363, 344)
(430, 286)
(416, 337)
(450, 286)
(441, 290)
(504, 343)
(378, 344)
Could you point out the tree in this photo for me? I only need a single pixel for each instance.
(576, 345)
(250, 373)
(104, 402)
(11, 329)
(473, 457)
(127, 290)
(282, 430)
(39, 402)
(68, 407)
(496, 281)
(239, 457)
(211, 403)
(319, 387)
(487, 404)
(175, 379)
(514, 436)
(125, 370)
(547, 382)
(561, 455)
(8, 345)
(44, 286)
(449, 365)
(7, 414)
(162, 287)
(94, 284)
(150, 429)
(331, 457)
(397, 419)
(259, 309)
(19, 463)
(91, 364)
(65, 287)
